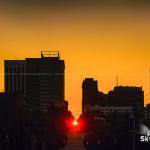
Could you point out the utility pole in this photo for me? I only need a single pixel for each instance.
(133, 133)
(132, 116)
(149, 83)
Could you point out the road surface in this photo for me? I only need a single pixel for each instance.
(74, 141)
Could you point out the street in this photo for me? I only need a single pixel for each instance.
(74, 141)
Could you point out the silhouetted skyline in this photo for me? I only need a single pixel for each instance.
(107, 40)
(95, 41)
(76, 84)
(35, 99)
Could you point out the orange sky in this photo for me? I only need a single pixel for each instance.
(99, 42)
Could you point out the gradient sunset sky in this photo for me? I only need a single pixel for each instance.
(99, 39)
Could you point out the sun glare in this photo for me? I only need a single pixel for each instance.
(75, 123)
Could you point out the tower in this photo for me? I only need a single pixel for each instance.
(45, 80)
(89, 92)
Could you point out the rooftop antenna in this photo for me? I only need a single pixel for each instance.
(117, 80)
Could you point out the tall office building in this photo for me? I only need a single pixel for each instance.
(15, 79)
(41, 80)
(45, 80)
(89, 92)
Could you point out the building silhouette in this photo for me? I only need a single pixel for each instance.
(15, 79)
(128, 96)
(147, 112)
(89, 92)
(121, 99)
(125, 95)
(45, 80)
(41, 80)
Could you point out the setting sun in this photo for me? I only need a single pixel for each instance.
(75, 123)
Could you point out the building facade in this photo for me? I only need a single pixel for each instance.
(42, 80)
(45, 80)
(147, 112)
(15, 76)
(121, 99)
(89, 92)
(105, 110)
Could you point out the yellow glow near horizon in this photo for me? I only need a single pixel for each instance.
(96, 43)
(75, 123)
